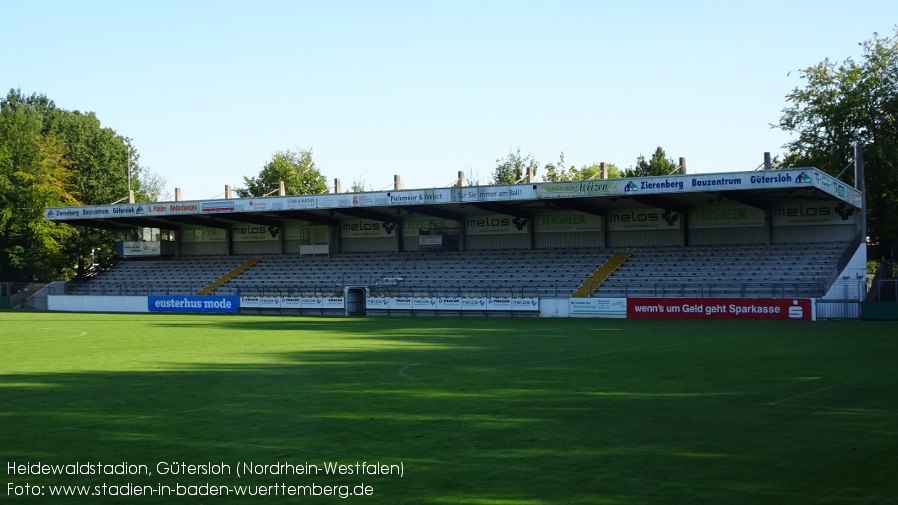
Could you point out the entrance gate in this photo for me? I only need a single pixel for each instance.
(355, 301)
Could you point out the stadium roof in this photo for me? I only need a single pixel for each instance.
(679, 193)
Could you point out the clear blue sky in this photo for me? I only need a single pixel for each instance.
(209, 90)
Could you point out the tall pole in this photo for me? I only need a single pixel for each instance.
(128, 168)
(861, 186)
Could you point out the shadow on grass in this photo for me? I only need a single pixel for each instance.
(475, 414)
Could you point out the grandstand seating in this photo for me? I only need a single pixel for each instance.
(185, 275)
(796, 270)
(723, 271)
(554, 272)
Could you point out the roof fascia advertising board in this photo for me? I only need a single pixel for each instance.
(775, 179)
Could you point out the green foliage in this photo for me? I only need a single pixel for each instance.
(555, 171)
(53, 157)
(99, 165)
(34, 174)
(514, 167)
(594, 171)
(152, 187)
(358, 186)
(586, 172)
(853, 102)
(295, 168)
(658, 165)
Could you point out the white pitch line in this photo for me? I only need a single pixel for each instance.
(78, 334)
(403, 369)
(818, 390)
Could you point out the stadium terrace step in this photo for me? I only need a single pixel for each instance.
(228, 276)
(600, 275)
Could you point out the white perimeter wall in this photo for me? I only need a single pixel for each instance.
(852, 281)
(97, 303)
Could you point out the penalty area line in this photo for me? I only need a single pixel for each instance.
(818, 390)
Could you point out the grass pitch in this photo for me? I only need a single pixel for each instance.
(475, 410)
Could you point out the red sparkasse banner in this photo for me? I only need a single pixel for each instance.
(720, 308)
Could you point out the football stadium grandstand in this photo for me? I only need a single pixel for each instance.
(554, 249)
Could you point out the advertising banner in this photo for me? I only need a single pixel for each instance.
(726, 216)
(498, 304)
(649, 218)
(607, 307)
(255, 233)
(573, 189)
(721, 308)
(419, 197)
(495, 193)
(453, 304)
(412, 226)
(430, 242)
(301, 202)
(291, 302)
(333, 302)
(366, 228)
(424, 303)
(311, 302)
(552, 222)
(173, 208)
(377, 302)
(208, 304)
(260, 204)
(203, 234)
(217, 206)
(448, 303)
(495, 224)
(837, 188)
(524, 304)
(261, 302)
(473, 303)
(139, 248)
(814, 213)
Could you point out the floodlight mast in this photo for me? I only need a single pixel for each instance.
(128, 167)
(860, 185)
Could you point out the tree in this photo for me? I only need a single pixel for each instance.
(513, 168)
(295, 169)
(555, 171)
(586, 172)
(658, 165)
(34, 174)
(152, 187)
(473, 177)
(358, 186)
(90, 166)
(594, 171)
(104, 167)
(841, 105)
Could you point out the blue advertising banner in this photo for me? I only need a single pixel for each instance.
(182, 303)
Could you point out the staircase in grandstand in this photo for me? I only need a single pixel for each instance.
(599, 276)
(228, 276)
